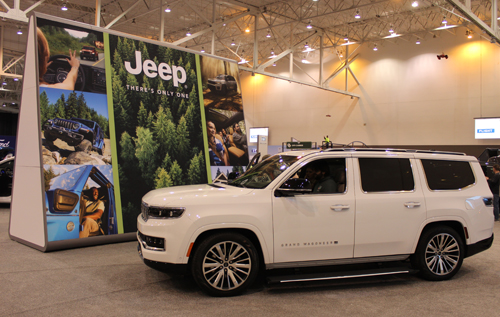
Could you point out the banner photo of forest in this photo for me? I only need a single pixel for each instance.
(158, 124)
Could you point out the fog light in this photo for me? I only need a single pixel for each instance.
(70, 226)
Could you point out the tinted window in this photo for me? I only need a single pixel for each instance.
(447, 174)
(386, 174)
(325, 176)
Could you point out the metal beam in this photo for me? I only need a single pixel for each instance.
(466, 10)
(121, 15)
(97, 19)
(300, 82)
(33, 6)
(327, 81)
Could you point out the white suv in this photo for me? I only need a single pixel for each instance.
(427, 209)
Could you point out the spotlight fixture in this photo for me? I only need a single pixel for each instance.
(309, 26)
(202, 50)
(268, 34)
(168, 8)
(375, 48)
(232, 43)
(19, 31)
(414, 4)
(188, 32)
(444, 20)
(357, 16)
(64, 7)
(418, 41)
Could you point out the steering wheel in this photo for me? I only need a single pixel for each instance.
(58, 70)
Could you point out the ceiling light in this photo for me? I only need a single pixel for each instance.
(168, 8)
(272, 53)
(357, 16)
(418, 41)
(64, 7)
(391, 30)
(340, 54)
(468, 33)
(305, 61)
(346, 38)
(133, 21)
(19, 31)
(315, 0)
(375, 47)
(414, 4)
(274, 64)
(247, 30)
(223, 19)
(268, 34)
(232, 43)
(309, 26)
(16, 79)
(4, 83)
(394, 34)
(188, 33)
(202, 50)
(306, 46)
(444, 20)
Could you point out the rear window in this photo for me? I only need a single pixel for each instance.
(448, 175)
(386, 174)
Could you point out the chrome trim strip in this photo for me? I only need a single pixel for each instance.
(389, 258)
(343, 277)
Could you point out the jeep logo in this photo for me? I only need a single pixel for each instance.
(151, 70)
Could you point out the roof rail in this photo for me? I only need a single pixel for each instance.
(350, 149)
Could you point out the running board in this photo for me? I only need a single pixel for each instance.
(312, 277)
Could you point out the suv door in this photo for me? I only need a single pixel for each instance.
(315, 225)
(390, 205)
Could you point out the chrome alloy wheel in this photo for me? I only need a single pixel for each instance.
(227, 265)
(442, 254)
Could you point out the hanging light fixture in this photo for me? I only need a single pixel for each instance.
(306, 45)
(232, 43)
(243, 60)
(133, 21)
(268, 34)
(247, 30)
(444, 20)
(468, 33)
(414, 4)
(64, 7)
(375, 47)
(188, 32)
(357, 16)
(418, 41)
(168, 8)
(202, 50)
(346, 38)
(272, 53)
(274, 64)
(19, 31)
(309, 26)
(223, 19)
(391, 30)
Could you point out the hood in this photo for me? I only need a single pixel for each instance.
(189, 195)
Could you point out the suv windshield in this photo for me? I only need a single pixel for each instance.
(88, 48)
(265, 172)
(67, 180)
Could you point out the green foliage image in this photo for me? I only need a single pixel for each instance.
(158, 126)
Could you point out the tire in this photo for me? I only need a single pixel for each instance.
(84, 146)
(440, 253)
(49, 138)
(214, 269)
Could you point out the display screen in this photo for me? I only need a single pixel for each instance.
(255, 132)
(487, 128)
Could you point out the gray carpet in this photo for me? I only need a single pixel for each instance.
(111, 280)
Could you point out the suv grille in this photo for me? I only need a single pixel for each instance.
(66, 124)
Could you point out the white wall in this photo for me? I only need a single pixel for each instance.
(408, 96)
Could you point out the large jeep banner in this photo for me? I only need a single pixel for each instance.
(119, 117)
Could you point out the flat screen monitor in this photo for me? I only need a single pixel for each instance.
(255, 132)
(487, 128)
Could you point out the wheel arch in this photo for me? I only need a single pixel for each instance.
(248, 233)
(454, 224)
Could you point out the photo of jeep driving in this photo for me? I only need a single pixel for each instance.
(84, 135)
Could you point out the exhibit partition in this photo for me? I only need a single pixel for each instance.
(105, 118)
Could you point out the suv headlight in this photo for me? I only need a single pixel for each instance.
(155, 212)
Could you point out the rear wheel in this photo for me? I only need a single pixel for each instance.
(439, 254)
(225, 264)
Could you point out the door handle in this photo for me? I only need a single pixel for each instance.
(339, 207)
(412, 204)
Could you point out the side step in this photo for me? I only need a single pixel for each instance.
(313, 277)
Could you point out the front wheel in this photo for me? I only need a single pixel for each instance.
(225, 264)
(439, 254)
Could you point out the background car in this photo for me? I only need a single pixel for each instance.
(89, 52)
(6, 176)
(222, 83)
